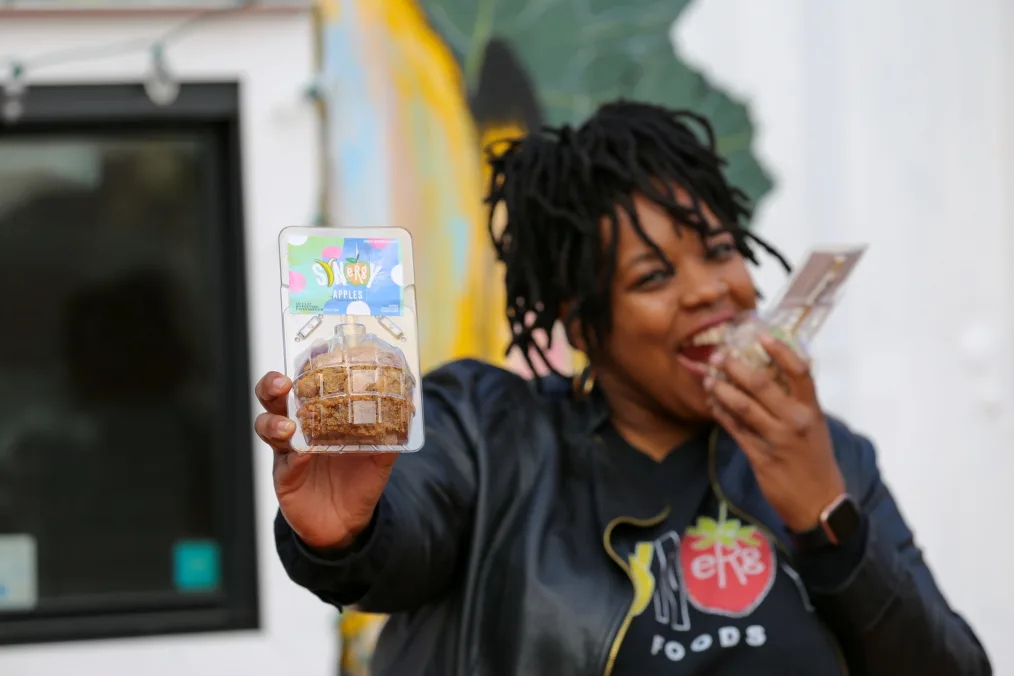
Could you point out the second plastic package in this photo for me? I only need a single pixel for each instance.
(351, 339)
(800, 311)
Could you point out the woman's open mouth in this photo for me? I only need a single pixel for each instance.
(695, 352)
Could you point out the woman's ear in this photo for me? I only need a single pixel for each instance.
(572, 329)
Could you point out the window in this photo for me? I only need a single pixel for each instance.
(126, 499)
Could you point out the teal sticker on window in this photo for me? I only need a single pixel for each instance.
(196, 565)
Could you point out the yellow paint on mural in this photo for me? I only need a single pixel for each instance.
(436, 182)
(424, 82)
(330, 10)
(438, 177)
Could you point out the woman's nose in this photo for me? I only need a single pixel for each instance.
(704, 286)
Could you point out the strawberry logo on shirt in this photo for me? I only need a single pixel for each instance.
(727, 568)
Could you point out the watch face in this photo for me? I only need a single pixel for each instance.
(843, 520)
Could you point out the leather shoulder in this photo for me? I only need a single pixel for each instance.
(474, 380)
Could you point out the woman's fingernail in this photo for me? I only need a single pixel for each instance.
(286, 427)
(717, 358)
(278, 384)
(709, 382)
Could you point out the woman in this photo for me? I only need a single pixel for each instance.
(652, 519)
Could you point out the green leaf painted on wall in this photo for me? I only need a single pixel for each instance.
(581, 53)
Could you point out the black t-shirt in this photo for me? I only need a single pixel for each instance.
(713, 594)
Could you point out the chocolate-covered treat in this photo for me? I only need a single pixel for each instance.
(358, 392)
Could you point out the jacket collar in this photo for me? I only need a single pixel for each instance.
(582, 413)
(581, 420)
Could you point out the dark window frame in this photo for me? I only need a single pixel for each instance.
(212, 109)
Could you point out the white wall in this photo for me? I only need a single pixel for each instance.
(889, 122)
(272, 56)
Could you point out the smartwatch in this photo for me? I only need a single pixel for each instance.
(838, 522)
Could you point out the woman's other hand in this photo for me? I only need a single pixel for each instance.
(774, 415)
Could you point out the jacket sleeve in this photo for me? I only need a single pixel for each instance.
(420, 529)
(887, 610)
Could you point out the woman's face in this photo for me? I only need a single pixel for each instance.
(667, 323)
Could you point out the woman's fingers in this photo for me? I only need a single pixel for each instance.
(742, 406)
(760, 384)
(795, 369)
(275, 430)
(747, 439)
(271, 391)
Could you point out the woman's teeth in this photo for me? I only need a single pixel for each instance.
(714, 335)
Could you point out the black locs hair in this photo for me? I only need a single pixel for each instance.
(559, 184)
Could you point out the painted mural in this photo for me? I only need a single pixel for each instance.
(415, 89)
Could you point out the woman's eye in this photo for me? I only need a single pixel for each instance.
(721, 251)
(653, 277)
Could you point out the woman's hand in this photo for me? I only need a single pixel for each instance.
(775, 417)
(326, 499)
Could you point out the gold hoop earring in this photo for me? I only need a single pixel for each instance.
(584, 383)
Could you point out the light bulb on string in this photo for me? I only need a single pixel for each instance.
(14, 95)
(161, 87)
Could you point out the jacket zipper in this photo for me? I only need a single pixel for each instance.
(621, 633)
(717, 488)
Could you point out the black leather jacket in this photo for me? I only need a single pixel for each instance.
(491, 548)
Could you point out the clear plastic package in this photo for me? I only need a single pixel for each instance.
(741, 340)
(351, 339)
(801, 310)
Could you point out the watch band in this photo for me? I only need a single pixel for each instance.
(838, 521)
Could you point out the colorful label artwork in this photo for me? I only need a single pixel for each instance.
(345, 276)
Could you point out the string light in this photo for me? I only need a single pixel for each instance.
(160, 85)
(14, 94)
